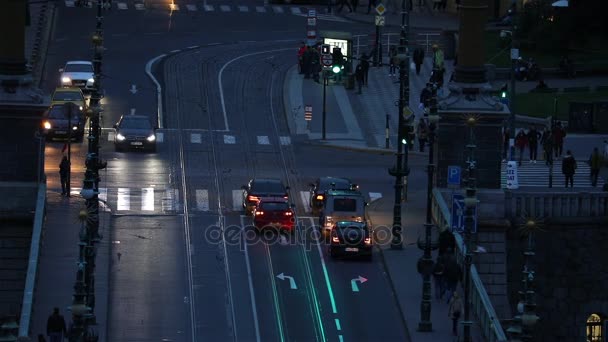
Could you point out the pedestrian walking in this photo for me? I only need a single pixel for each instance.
(438, 278)
(521, 141)
(347, 3)
(533, 137)
(447, 242)
(64, 173)
(315, 67)
(547, 142)
(370, 4)
(559, 133)
(418, 59)
(425, 96)
(452, 273)
(569, 168)
(365, 65)
(392, 61)
(307, 62)
(55, 327)
(301, 51)
(359, 76)
(423, 134)
(454, 311)
(595, 162)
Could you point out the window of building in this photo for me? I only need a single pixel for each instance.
(594, 328)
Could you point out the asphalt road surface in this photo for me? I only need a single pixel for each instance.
(187, 266)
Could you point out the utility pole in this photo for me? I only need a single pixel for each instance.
(401, 168)
(83, 304)
(514, 57)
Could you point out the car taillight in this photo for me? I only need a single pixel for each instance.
(368, 241)
(320, 197)
(288, 213)
(286, 197)
(253, 198)
(334, 238)
(258, 213)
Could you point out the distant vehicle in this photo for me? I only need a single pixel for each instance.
(259, 188)
(134, 132)
(323, 184)
(58, 122)
(341, 205)
(350, 239)
(274, 213)
(71, 94)
(78, 74)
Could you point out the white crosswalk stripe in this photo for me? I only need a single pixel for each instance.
(295, 10)
(121, 5)
(140, 6)
(147, 199)
(195, 138)
(305, 197)
(202, 200)
(237, 200)
(285, 140)
(225, 8)
(537, 175)
(123, 201)
(243, 9)
(263, 140)
(229, 139)
(260, 9)
(191, 7)
(170, 200)
(326, 17)
(174, 7)
(69, 3)
(277, 9)
(209, 8)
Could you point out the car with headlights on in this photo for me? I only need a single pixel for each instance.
(348, 238)
(69, 94)
(323, 184)
(62, 121)
(78, 74)
(134, 132)
(274, 212)
(259, 188)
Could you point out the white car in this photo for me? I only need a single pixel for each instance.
(78, 74)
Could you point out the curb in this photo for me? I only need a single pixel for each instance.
(376, 150)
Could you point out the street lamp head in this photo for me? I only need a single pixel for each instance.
(530, 225)
(97, 39)
(471, 120)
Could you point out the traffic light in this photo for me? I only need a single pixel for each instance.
(503, 92)
(325, 49)
(338, 61)
(406, 130)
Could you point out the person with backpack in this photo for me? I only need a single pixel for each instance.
(64, 173)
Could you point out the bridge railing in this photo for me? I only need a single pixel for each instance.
(481, 306)
(561, 205)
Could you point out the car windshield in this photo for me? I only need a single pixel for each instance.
(267, 187)
(340, 184)
(59, 112)
(351, 226)
(78, 68)
(132, 123)
(67, 96)
(345, 204)
(272, 206)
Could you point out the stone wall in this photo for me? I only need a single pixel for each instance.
(571, 265)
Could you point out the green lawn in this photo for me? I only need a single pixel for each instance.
(541, 104)
(498, 54)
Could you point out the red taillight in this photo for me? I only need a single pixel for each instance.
(334, 237)
(288, 213)
(253, 198)
(368, 241)
(286, 197)
(258, 213)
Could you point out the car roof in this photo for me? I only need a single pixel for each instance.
(79, 62)
(343, 193)
(326, 181)
(136, 117)
(68, 89)
(266, 181)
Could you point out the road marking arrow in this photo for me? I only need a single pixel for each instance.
(353, 283)
(133, 89)
(292, 282)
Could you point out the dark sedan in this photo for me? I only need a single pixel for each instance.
(350, 239)
(134, 132)
(323, 184)
(62, 121)
(259, 188)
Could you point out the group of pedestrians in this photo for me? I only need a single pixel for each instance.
(551, 141)
(447, 273)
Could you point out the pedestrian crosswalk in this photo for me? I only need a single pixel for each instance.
(191, 6)
(537, 175)
(158, 200)
(203, 137)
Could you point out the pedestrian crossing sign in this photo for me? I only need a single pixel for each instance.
(380, 9)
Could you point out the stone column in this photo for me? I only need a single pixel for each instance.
(12, 44)
(473, 15)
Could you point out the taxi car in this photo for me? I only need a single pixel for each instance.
(258, 188)
(323, 184)
(349, 238)
(134, 132)
(274, 212)
(78, 74)
(69, 94)
(58, 122)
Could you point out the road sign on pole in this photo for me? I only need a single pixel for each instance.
(458, 214)
(454, 175)
(327, 60)
(380, 9)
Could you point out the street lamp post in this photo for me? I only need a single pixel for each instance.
(470, 203)
(514, 56)
(401, 168)
(325, 80)
(425, 263)
(83, 304)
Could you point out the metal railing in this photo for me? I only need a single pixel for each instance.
(32, 268)
(557, 205)
(481, 306)
(365, 43)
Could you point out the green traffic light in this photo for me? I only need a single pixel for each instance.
(336, 69)
(503, 94)
(404, 141)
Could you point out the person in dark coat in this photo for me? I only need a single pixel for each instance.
(558, 139)
(547, 142)
(64, 172)
(307, 62)
(452, 274)
(447, 242)
(521, 141)
(569, 168)
(533, 137)
(365, 65)
(418, 59)
(423, 134)
(55, 327)
(439, 284)
(359, 76)
(425, 95)
(595, 162)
